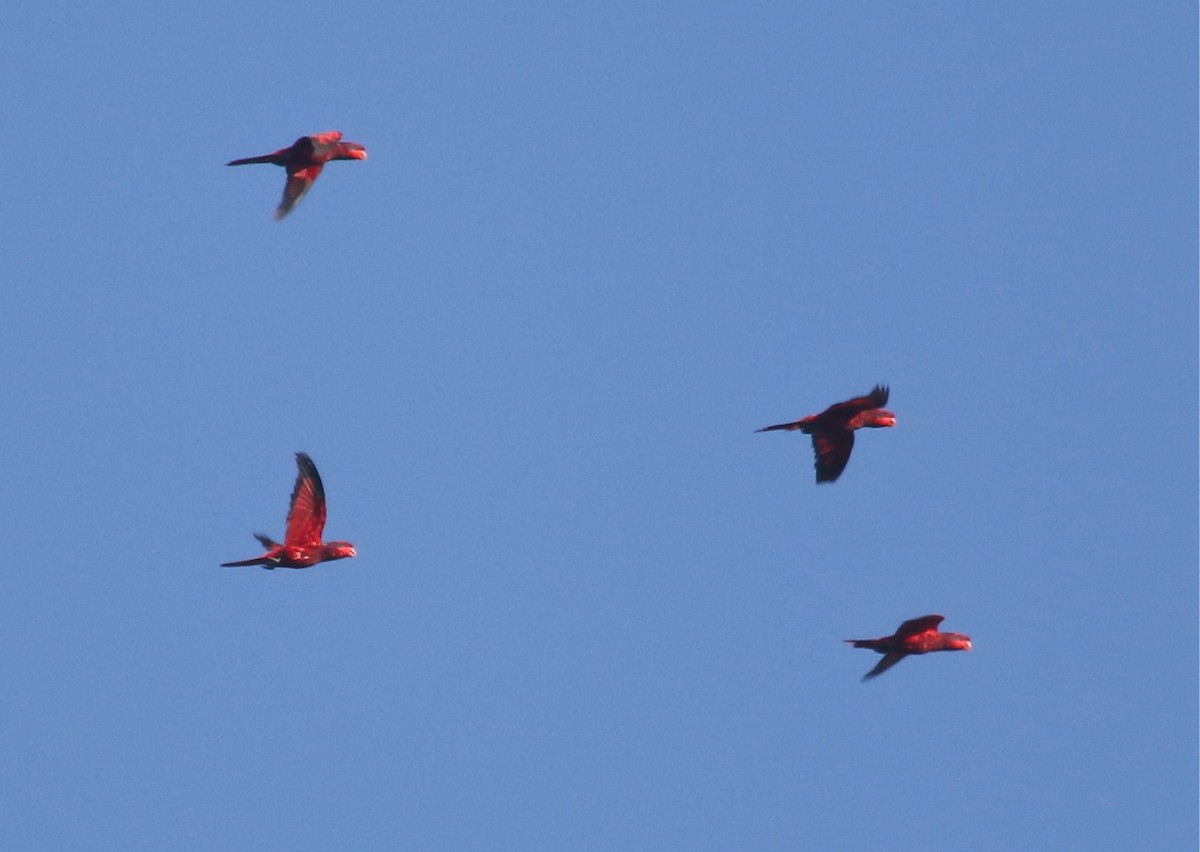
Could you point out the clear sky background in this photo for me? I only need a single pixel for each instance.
(527, 343)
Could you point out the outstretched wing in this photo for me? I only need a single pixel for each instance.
(306, 516)
(883, 665)
(298, 184)
(832, 451)
(924, 624)
(877, 398)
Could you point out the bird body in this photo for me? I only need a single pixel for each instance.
(304, 160)
(302, 546)
(833, 429)
(915, 636)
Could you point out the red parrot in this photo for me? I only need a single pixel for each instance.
(833, 429)
(302, 546)
(304, 161)
(916, 636)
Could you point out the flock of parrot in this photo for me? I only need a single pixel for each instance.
(832, 433)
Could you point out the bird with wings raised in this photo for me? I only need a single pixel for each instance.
(302, 546)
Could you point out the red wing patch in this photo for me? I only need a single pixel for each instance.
(832, 451)
(924, 624)
(306, 516)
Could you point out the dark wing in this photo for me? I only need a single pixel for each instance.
(877, 398)
(832, 451)
(298, 184)
(919, 625)
(306, 516)
(883, 665)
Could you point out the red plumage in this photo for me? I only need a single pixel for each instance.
(304, 160)
(302, 546)
(833, 429)
(915, 636)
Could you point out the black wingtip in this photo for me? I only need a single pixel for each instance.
(308, 470)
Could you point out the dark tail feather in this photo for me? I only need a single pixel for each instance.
(246, 161)
(266, 541)
(791, 427)
(263, 561)
(863, 643)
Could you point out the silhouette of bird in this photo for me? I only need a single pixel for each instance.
(304, 161)
(833, 429)
(302, 546)
(916, 636)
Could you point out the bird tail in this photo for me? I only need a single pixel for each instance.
(246, 161)
(863, 643)
(266, 541)
(261, 560)
(790, 427)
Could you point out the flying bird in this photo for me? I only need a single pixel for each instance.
(304, 161)
(302, 546)
(833, 429)
(916, 636)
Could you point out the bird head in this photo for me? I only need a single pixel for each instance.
(957, 641)
(879, 418)
(339, 550)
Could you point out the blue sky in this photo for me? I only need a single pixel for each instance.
(527, 343)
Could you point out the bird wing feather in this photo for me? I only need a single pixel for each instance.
(298, 184)
(890, 659)
(327, 138)
(306, 514)
(877, 398)
(924, 624)
(832, 454)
